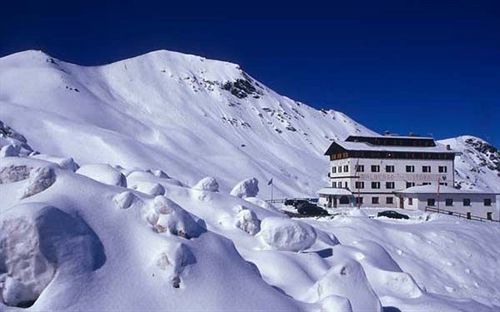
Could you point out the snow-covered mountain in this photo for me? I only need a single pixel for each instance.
(184, 114)
(478, 166)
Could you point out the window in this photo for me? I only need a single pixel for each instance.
(468, 215)
(389, 185)
(344, 200)
(345, 184)
(340, 169)
(410, 168)
(426, 168)
(374, 200)
(431, 202)
(334, 169)
(443, 169)
(466, 201)
(346, 168)
(389, 168)
(334, 184)
(426, 183)
(360, 168)
(389, 200)
(375, 168)
(359, 200)
(375, 185)
(410, 201)
(410, 184)
(488, 216)
(359, 185)
(443, 183)
(449, 202)
(487, 201)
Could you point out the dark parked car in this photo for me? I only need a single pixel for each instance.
(392, 214)
(294, 202)
(309, 209)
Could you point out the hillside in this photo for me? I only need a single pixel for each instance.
(184, 114)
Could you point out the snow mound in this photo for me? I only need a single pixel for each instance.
(247, 221)
(103, 173)
(150, 188)
(335, 303)
(36, 246)
(347, 279)
(169, 217)
(175, 261)
(40, 179)
(208, 184)
(66, 163)
(125, 200)
(246, 188)
(287, 234)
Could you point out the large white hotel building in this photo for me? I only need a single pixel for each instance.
(391, 171)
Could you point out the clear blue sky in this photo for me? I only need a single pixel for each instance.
(429, 67)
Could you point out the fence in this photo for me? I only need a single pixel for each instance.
(460, 215)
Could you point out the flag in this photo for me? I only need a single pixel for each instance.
(270, 182)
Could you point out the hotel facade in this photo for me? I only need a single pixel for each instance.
(373, 171)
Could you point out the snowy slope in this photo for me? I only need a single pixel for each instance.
(478, 166)
(184, 114)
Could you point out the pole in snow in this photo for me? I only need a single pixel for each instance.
(272, 187)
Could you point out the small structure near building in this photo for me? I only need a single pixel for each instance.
(468, 203)
(330, 197)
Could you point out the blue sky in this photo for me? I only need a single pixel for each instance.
(427, 67)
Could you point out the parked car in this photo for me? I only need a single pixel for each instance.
(294, 202)
(309, 209)
(392, 214)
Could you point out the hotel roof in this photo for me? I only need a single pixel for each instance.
(390, 144)
(443, 189)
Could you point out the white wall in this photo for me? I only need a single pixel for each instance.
(399, 177)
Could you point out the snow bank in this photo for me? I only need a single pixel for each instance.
(287, 234)
(103, 173)
(208, 184)
(261, 203)
(246, 188)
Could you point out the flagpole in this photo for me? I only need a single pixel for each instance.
(272, 188)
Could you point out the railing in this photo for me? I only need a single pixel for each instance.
(459, 214)
(282, 200)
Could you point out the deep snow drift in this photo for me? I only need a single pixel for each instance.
(87, 242)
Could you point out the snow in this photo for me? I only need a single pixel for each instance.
(285, 234)
(208, 184)
(121, 234)
(246, 188)
(103, 173)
